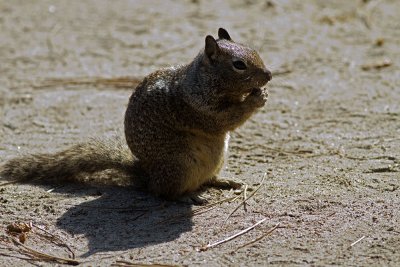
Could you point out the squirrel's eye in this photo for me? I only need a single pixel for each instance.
(239, 65)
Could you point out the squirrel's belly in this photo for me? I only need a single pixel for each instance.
(206, 159)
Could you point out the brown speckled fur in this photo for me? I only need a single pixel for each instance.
(177, 124)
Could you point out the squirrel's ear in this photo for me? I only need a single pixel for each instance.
(223, 34)
(211, 48)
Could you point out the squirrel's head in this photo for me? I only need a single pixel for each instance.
(240, 68)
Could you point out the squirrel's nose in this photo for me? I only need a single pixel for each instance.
(268, 74)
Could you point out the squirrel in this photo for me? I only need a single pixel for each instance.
(177, 125)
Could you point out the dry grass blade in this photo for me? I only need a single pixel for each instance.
(131, 264)
(204, 248)
(212, 204)
(20, 229)
(357, 241)
(55, 239)
(197, 211)
(244, 201)
(42, 256)
(259, 238)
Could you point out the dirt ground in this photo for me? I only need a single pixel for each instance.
(328, 138)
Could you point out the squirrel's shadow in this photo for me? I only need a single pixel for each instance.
(123, 218)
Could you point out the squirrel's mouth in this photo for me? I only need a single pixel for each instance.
(247, 93)
(254, 91)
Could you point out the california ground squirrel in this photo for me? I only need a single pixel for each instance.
(177, 125)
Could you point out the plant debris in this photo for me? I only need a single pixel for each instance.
(204, 248)
(17, 236)
(131, 264)
(246, 198)
(379, 64)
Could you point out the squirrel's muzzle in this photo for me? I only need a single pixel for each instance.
(268, 74)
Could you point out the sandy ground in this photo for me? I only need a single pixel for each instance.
(328, 139)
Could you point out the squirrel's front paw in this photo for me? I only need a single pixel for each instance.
(257, 97)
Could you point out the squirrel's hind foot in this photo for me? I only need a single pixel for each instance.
(193, 199)
(224, 183)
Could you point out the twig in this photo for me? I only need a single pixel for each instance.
(19, 257)
(8, 183)
(244, 201)
(204, 248)
(389, 168)
(372, 158)
(245, 197)
(358, 240)
(379, 64)
(259, 238)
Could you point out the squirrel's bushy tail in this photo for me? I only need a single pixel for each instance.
(92, 156)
